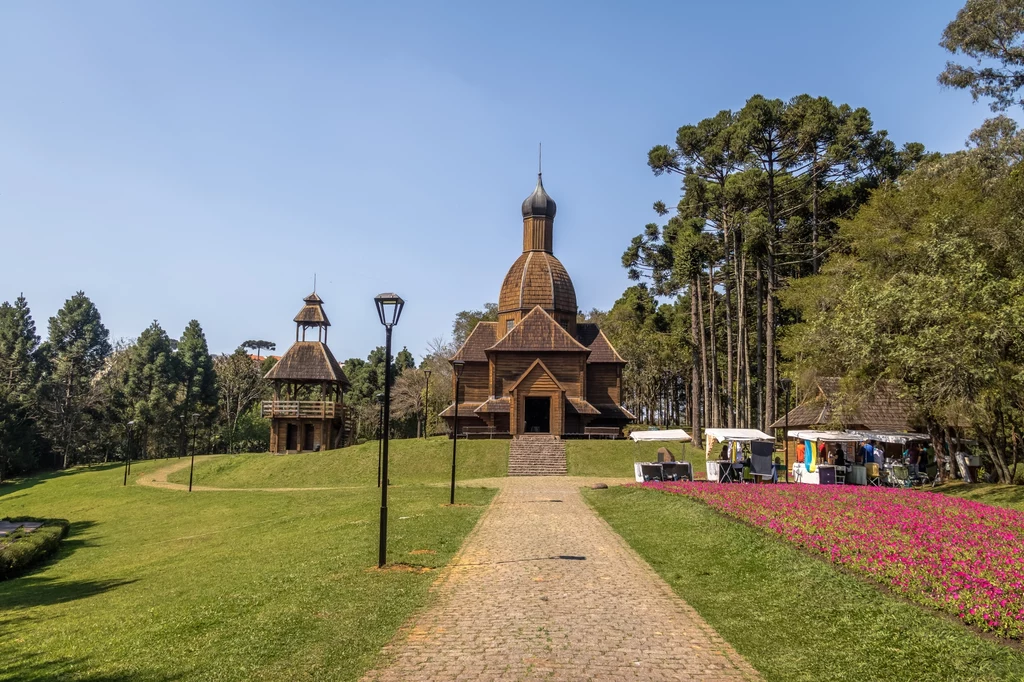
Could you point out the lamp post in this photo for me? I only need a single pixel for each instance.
(192, 467)
(457, 367)
(786, 384)
(128, 450)
(184, 433)
(380, 431)
(426, 406)
(389, 309)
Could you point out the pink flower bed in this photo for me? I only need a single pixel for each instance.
(963, 557)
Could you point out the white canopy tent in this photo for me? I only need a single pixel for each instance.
(737, 435)
(675, 435)
(827, 436)
(890, 436)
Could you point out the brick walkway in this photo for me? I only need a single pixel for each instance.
(508, 610)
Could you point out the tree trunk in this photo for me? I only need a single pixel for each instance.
(695, 288)
(730, 404)
(716, 407)
(694, 402)
(760, 347)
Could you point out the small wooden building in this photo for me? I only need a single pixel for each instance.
(308, 409)
(536, 370)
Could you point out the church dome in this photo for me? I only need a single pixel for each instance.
(539, 203)
(537, 278)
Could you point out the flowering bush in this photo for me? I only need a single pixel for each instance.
(963, 557)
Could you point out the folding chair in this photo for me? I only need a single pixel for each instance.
(840, 475)
(873, 474)
(899, 476)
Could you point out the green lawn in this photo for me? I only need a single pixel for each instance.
(1011, 496)
(614, 458)
(793, 616)
(164, 585)
(425, 460)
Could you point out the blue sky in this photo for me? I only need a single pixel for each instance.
(203, 159)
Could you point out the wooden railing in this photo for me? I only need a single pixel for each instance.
(308, 409)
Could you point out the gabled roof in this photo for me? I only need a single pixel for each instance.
(615, 412)
(601, 349)
(536, 332)
(879, 410)
(308, 361)
(482, 337)
(536, 363)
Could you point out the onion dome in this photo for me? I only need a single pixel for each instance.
(539, 204)
(537, 278)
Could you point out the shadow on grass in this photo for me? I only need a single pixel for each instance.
(29, 591)
(34, 666)
(17, 485)
(994, 494)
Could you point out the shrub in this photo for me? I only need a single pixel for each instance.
(22, 549)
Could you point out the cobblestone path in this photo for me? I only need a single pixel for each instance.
(543, 589)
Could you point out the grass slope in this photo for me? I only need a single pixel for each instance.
(1011, 496)
(795, 617)
(614, 458)
(410, 461)
(160, 585)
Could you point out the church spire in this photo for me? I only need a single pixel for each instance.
(538, 217)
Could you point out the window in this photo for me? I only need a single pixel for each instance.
(509, 325)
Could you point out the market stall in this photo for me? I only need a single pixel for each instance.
(725, 464)
(809, 469)
(662, 470)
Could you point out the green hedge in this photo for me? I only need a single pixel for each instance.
(20, 549)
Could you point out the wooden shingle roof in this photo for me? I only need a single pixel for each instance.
(313, 312)
(308, 361)
(465, 410)
(538, 332)
(601, 349)
(482, 337)
(494, 406)
(879, 410)
(537, 278)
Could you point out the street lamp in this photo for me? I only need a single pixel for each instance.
(786, 385)
(426, 406)
(192, 467)
(128, 450)
(380, 431)
(389, 309)
(457, 367)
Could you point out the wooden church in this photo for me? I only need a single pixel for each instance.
(537, 370)
(308, 409)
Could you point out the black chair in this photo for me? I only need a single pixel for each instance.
(761, 467)
(652, 472)
(677, 471)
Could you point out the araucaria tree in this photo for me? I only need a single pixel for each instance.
(763, 190)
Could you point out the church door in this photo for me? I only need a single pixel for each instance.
(292, 437)
(538, 415)
(307, 437)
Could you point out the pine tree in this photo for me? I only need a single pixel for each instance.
(18, 345)
(77, 346)
(151, 386)
(198, 391)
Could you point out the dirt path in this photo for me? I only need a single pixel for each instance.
(544, 589)
(158, 479)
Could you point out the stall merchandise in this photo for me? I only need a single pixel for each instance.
(668, 435)
(730, 469)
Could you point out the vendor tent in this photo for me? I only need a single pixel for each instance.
(676, 435)
(826, 436)
(737, 435)
(900, 437)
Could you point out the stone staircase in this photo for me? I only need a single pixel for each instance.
(536, 455)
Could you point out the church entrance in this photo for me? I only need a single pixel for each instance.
(292, 437)
(307, 437)
(538, 415)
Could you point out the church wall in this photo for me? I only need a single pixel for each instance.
(565, 366)
(604, 384)
(474, 386)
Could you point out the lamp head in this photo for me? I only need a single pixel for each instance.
(458, 366)
(427, 372)
(389, 308)
(786, 383)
